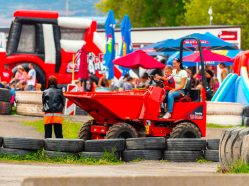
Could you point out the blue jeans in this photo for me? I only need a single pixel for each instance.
(31, 88)
(171, 99)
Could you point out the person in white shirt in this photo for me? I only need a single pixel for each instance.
(180, 77)
(31, 77)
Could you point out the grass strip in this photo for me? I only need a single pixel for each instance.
(70, 129)
(109, 158)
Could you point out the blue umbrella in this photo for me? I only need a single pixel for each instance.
(126, 47)
(109, 55)
(207, 40)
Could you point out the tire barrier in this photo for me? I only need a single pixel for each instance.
(29, 103)
(158, 148)
(5, 106)
(64, 145)
(233, 147)
(5, 95)
(224, 113)
(184, 150)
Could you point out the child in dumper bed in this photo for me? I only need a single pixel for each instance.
(169, 84)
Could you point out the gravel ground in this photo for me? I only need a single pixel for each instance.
(13, 174)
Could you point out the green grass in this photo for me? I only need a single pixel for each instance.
(236, 168)
(213, 125)
(70, 129)
(202, 160)
(13, 110)
(108, 158)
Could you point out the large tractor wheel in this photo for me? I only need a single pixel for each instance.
(85, 131)
(121, 130)
(185, 130)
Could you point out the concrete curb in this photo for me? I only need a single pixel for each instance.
(186, 180)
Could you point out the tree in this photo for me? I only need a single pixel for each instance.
(225, 12)
(144, 13)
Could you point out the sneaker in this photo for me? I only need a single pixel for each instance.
(167, 115)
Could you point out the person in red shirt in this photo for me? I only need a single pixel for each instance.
(5, 76)
(169, 84)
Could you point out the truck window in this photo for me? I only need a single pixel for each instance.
(27, 39)
(72, 34)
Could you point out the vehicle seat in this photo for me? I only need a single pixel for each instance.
(187, 90)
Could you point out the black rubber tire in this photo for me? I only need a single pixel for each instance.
(109, 145)
(213, 144)
(246, 111)
(1, 141)
(5, 95)
(16, 152)
(237, 147)
(5, 108)
(211, 155)
(246, 121)
(23, 143)
(245, 150)
(229, 145)
(96, 155)
(185, 130)
(40, 75)
(121, 130)
(130, 155)
(186, 144)
(182, 156)
(149, 143)
(64, 145)
(85, 131)
(54, 154)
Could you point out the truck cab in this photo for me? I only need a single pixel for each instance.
(49, 42)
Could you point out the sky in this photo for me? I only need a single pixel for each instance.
(77, 8)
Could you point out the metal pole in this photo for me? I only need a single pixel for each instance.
(67, 7)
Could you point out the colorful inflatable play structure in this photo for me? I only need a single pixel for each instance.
(235, 88)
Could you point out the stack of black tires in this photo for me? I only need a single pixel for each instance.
(184, 149)
(246, 116)
(20, 146)
(149, 148)
(5, 106)
(212, 151)
(63, 147)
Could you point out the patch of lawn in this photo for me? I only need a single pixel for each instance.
(202, 160)
(39, 157)
(70, 129)
(238, 168)
(213, 125)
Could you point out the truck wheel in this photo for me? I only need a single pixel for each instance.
(85, 131)
(121, 130)
(185, 130)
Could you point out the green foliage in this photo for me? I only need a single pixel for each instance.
(202, 160)
(236, 168)
(225, 12)
(108, 158)
(144, 13)
(213, 125)
(70, 129)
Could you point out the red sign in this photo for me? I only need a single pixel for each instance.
(228, 35)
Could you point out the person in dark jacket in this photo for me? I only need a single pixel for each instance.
(53, 104)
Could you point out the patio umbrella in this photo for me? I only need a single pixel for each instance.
(208, 56)
(110, 44)
(83, 68)
(207, 41)
(138, 59)
(126, 47)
